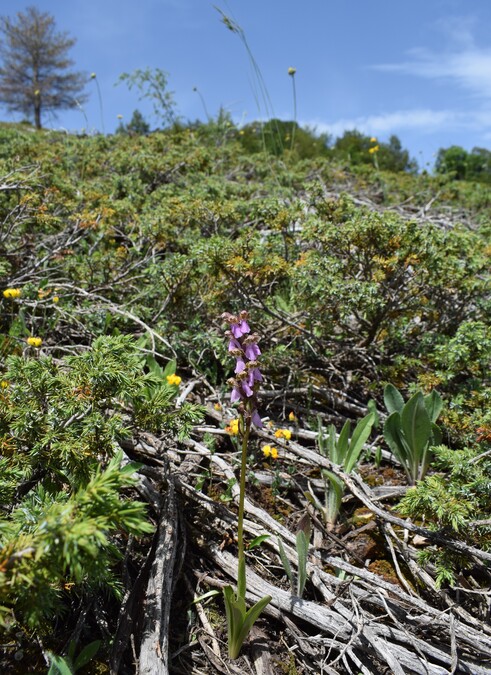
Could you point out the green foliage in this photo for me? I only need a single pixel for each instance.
(278, 136)
(343, 450)
(354, 147)
(70, 664)
(152, 85)
(63, 475)
(458, 164)
(455, 502)
(136, 126)
(302, 546)
(410, 429)
(239, 619)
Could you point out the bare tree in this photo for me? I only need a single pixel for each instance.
(35, 75)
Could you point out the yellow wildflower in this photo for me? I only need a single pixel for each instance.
(217, 407)
(4, 384)
(283, 433)
(292, 71)
(233, 427)
(269, 451)
(120, 117)
(374, 149)
(174, 379)
(56, 298)
(34, 341)
(373, 139)
(11, 293)
(292, 417)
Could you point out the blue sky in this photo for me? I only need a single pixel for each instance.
(419, 69)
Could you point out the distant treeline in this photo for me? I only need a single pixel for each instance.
(278, 137)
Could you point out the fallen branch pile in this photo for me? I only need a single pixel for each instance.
(352, 620)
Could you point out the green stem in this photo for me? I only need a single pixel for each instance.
(243, 469)
(241, 585)
(294, 113)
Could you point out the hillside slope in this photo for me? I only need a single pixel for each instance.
(120, 254)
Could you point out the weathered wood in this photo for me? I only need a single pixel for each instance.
(154, 648)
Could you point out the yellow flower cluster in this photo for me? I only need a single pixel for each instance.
(283, 433)
(268, 451)
(11, 293)
(4, 384)
(373, 150)
(174, 379)
(233, 427)
(34, 341)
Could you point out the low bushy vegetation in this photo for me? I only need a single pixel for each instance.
(118, 254)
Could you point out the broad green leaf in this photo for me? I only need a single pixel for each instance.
(360, 434)
(334, 498)
(170, 368)
(285, 562)
(434, 405)
(251, 617)
(59, 666)
(343, 444)
(235, 613)
(154, 367)
(372, 407)
(416, 425)
(436, 437)
(393, 399)
(394, 438)
(87, 654)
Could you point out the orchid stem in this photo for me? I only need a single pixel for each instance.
(240, 524)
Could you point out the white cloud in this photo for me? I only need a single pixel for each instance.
(462, 63)
(424, 120)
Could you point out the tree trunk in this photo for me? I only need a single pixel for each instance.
(37, 114)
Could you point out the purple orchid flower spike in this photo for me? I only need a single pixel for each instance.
(243, 346)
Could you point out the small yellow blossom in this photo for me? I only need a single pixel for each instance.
(292, 71)
(174, 379)
(292, 417)
(233, 427)
(11, 293)
(56, 298)
(374, 149)
(4, 384)
(120, 117)
(269, 451)
(283, 433)
(217, 406)
(34, 341)
(373, 139)
(93, 76)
